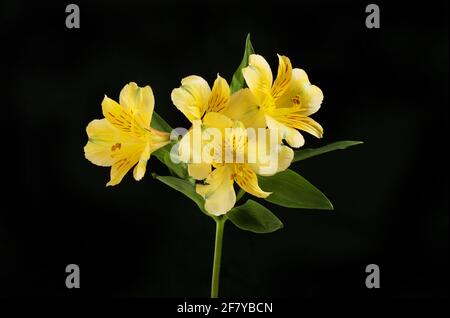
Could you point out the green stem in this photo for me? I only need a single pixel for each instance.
(220, 223)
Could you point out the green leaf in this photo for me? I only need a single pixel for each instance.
(303, 154)
(238, 79)
(176, 169)
(159, 123)
(161, 152)
(291, 190)
(185, 187)
(254, 217)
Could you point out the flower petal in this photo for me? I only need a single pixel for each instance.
(218, 191)
(121, 118)
(258, 77)
(246, 178)
(291, 135)
(139, 170)
(220, 96)
(216, 120)
(139, 102)
(191, 145)
(236, 141)
(102, 136)
(284, 76)
(302, 94)
(284, 156)
(191, 98)
(293, 118)
(156, 140)
(107, 144)
(185, 147)
(199, 171)
(309, 125)
(120, 168)
(244, 107)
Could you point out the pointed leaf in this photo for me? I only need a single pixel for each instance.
(176, 169)
(185, 187)
(303, 154)
(291, 190)
(159, 123)
(254, 217)
(238, 81)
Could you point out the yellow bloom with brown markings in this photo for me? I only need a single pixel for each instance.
(232, 164)
(195, 99)
(285, 103)
(124, 138)
(205, 108)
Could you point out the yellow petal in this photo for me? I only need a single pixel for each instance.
(244, 107)
(270, 159)
(294, 119)
(102, 136)
(185, 147)
(199, 171)
(218, 191)
(191, 98)
(302, 94)
(107, 144)
(220, 96)
(294, 138)
(285, 157)
(216, 126)
(284, 76)
(121, 118)
(236, 143)
(216, 120)
(139, 102)
(139, 170)
(246, 178)
(291, 135)
(258, 77)
(156, 140)
(309, 125)
(120, 168)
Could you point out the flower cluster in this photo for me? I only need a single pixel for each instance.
(241, 139)
(280, 107)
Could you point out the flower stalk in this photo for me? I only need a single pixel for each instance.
(220, 224)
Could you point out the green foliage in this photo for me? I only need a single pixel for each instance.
(185, 187)
(238, 81)
(254, 217)
(159, 123)
(306, 153)
(291, 190)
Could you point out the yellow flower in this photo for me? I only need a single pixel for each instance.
(218, 190)
(124, 137)
(285, 104)
(194, 98)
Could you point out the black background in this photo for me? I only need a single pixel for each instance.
(387, 87)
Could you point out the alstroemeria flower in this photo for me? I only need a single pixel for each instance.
(285, 103)
(124, 137)
(194, 98)
(218, 190)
